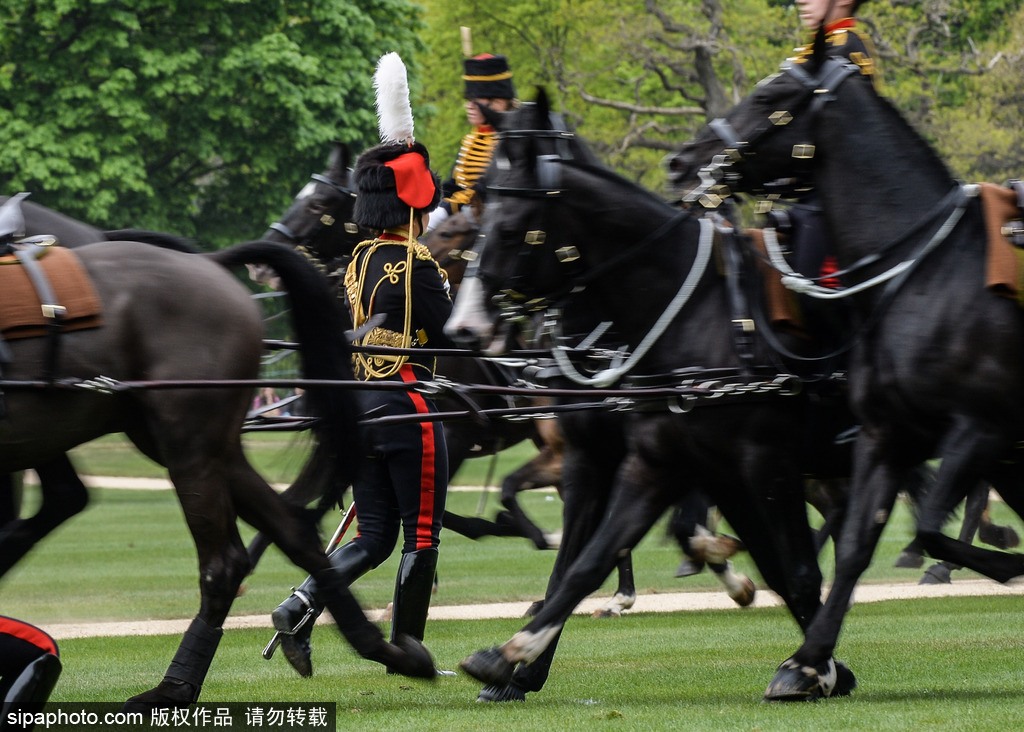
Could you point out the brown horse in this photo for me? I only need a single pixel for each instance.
(171, 317)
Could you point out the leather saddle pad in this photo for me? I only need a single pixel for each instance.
(21, 314)
(1005, 263)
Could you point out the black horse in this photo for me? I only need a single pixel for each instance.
(937, 361)
(201, 327)
(621, 268)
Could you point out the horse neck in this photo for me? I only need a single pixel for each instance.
(634, 294)
(877, 181)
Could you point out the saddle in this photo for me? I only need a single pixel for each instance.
(44, 288)
(1003, 208)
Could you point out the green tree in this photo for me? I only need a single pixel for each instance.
(195, 116)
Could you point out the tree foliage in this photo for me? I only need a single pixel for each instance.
(195, 116)
(638, 78)
(203, 117)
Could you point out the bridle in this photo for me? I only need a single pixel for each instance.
(816, 91)
(517, 305)
(325, 223)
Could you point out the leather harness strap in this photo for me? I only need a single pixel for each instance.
(28, 251)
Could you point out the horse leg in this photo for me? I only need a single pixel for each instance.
(970, 452)
(585, 493)
(625, 594)
(811, 672)
(10, 498)
(542, 471)
(1001, 537)
(634, 508)
(64, 495)
(976, 504)
(202, 489)
(687, 515)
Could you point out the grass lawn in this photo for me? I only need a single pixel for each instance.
(945, 664)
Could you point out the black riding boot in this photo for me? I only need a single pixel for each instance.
(413, 588)
(294, 618)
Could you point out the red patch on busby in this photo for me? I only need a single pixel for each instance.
(413, 181)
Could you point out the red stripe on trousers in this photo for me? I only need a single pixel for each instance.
(30, 633)
(427, 477)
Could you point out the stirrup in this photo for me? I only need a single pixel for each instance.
(310, 616)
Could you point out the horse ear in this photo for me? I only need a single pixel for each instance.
(491, 116)
(340, 156)
(543, 103)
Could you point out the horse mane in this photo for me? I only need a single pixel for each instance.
(922, 145)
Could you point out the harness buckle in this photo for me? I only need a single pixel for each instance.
(535, 237)
(567, 254)
(780, 118)
(351, 228)
(803, 151)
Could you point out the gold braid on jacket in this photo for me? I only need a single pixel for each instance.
(474, 156)
(374, 366)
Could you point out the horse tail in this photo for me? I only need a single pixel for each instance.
(320, 322)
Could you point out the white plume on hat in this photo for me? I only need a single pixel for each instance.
(394, 113)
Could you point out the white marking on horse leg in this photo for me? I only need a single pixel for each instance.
(616, 605)
(526, 646)
(553, 538)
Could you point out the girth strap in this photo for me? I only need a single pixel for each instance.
(28, 251)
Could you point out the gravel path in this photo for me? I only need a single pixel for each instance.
(661, 602)
(666, 602)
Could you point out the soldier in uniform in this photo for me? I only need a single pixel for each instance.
(403, 486)
(843, 34)
(29, 667)
(488, 86)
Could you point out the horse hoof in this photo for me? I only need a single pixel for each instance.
(415, 660)
(501, 694)
(796, 682)
(846, 682)
(909, 560)
(745, 595)
(688, 568)
(1001, 537)
(937, 574)
(553, 540)
(489, 667)
(168, 694)
(534, 609)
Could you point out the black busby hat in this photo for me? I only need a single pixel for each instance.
(392, 178)
(488, 77)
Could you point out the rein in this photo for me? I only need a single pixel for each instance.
(621, 367)
(958, 198)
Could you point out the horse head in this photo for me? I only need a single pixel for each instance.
(319, 220)
(451, 243)
(521, 256)
(765, 144)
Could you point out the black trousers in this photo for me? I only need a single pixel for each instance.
(403, 485)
